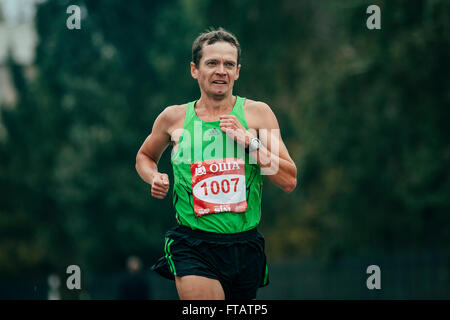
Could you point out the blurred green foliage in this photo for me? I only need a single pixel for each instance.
(364, 114)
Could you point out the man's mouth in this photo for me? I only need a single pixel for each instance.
(219, 82)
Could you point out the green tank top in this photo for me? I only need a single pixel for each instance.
(217, 187)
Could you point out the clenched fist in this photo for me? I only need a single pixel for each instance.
(160, 185)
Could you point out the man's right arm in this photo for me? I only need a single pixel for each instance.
(150, 152)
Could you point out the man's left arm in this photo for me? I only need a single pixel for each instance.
(272, 155)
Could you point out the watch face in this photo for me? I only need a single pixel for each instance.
(255, 144)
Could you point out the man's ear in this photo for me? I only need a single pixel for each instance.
(238, 68)
(194, 70)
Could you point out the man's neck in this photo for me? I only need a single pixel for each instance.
(213, 106)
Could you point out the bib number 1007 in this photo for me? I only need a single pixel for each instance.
(225, 186)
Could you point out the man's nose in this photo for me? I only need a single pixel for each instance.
(220, 69)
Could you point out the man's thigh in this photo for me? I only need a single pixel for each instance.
(199, 288)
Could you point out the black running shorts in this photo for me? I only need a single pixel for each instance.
(236, 260)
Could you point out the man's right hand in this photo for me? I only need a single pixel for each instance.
(160, 185)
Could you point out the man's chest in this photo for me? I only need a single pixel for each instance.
(206, 130)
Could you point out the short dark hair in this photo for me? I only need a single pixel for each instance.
(211, 36)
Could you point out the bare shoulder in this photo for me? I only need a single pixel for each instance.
(171, 118)
(174, 113)
(258, 114)
(256, 106)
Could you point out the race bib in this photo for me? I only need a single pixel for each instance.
(218, 186)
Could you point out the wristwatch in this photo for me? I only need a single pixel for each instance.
(253, 145)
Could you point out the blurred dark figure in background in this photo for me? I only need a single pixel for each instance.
(135, 284)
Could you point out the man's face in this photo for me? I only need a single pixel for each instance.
(217, 69)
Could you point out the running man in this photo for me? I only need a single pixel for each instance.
(222, 145)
